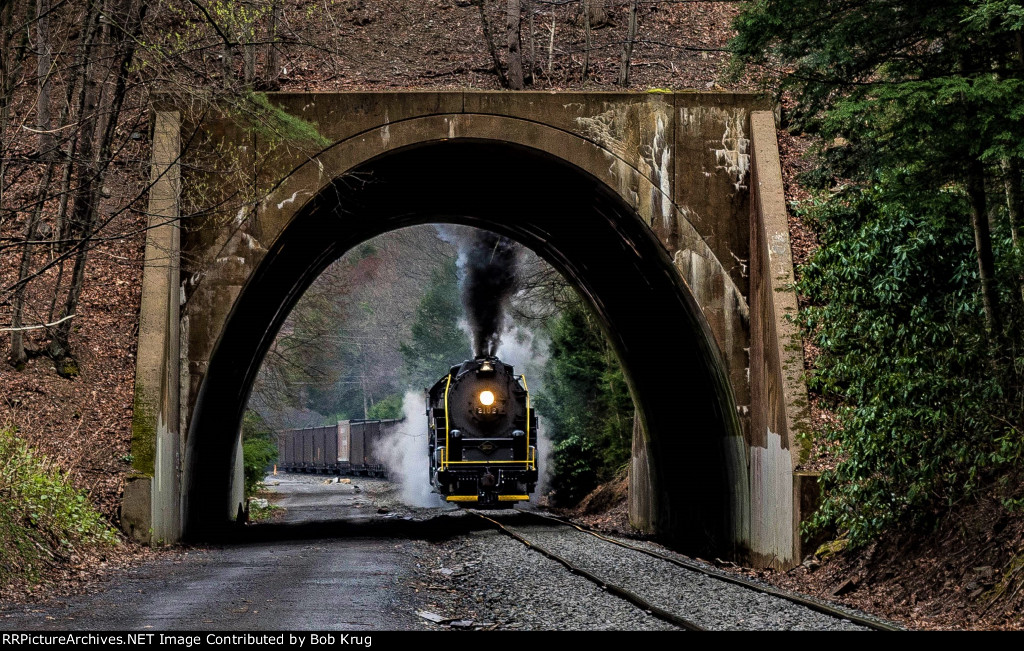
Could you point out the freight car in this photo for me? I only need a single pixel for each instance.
(482, 435)
(352, 447)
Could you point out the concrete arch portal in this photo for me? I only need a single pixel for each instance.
(641, 201)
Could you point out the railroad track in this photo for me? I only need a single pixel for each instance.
(622, 574)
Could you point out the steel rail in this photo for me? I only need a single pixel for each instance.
(812, 604)
(616, 590)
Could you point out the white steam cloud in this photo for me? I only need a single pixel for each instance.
(528, 353)
(405, 454)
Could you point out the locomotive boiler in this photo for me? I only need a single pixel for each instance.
(482, 435)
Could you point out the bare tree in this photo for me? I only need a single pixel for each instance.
(551, 42)
(15, 18)
(491, 47)
(513, 26)
(594, 15)
(272, 71)
(100, 114)
(627, 47)
(46, 153)
(66, 209)
(588, 44)
(531, 49)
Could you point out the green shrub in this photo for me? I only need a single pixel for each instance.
(928, 407)
(258, 450)
(43, 518)
(258, 454)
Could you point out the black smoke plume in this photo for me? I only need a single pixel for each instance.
(489, 280)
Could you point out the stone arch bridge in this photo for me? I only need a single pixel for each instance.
(665, 210)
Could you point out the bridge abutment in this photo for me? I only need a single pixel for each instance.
(700, 170)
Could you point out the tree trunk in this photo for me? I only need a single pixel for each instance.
(491, 47)
(97, 139)
(45, 149)
(60, 229)
(362, 387)
(586, 38)
(1014, 206)
(44, 60)
(249, 51)
(12, 56)
(273, 71)
(531, 52)
(513, 27)
(227, 61)
(983, 247)
(81, 84)
(68, 160)
(627, 47)
(551, 43)
(18, 355)
(81, 204)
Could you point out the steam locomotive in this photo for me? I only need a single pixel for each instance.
(482, 435)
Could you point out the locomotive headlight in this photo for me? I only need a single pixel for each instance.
(486, 398)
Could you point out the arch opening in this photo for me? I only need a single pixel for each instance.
(580, 226)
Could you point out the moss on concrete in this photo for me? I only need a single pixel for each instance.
(258, 115)
(144, 418)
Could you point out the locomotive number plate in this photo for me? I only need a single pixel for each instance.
(488, 411)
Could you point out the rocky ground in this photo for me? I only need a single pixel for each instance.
(698, 598)
(489, 581)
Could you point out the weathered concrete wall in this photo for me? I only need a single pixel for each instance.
(776, 353)
(682, 161)
(643, 507)
(150, 510)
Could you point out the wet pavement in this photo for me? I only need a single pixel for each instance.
(328, 583)
(316, 498)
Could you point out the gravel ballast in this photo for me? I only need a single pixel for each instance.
(490, 581)
(710, 603)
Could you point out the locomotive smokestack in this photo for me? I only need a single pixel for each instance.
(488, 284)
